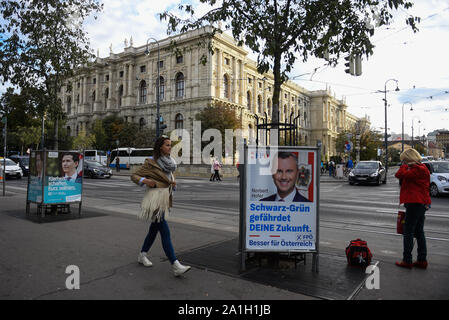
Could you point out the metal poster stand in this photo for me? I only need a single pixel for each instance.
(243, 206)
(42, 206)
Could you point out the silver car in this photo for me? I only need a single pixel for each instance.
(12, 169)
(439, 177)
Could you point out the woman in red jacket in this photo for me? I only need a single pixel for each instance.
(415, 182)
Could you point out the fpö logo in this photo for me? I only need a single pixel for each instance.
(259, 155)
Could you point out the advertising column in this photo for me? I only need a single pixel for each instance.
(281, 199)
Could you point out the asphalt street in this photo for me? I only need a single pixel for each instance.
(346, 212)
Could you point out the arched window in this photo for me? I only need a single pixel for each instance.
(226, 86)
(179, 85)
(141, 123)
(248, 100)
(161, 88)
(120, 95)
(259, 104)
(179, 121)
(143, 92)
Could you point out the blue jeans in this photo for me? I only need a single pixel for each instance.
(162, 227)
(414, 227)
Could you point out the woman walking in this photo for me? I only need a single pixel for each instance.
(157, 175)
(415, 181)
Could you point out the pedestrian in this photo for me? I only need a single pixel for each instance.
(212, 171)
(415, 182)
(331, 168)
(117, 164)
(217, 167)
(158, 173)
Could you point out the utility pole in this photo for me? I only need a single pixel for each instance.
(5, 124)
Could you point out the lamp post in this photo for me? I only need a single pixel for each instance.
(411, 109)
(147, 52)
(386, 134)
(419, 121)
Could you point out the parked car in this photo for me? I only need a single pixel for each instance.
(12, 168)
(23, 162)
(94, 169)
(368, 172)
(439, 177)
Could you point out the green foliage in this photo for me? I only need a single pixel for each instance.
(41, 43)
(279, 31)
(83, 141)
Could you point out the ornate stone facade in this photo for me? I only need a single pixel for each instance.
(125, 84)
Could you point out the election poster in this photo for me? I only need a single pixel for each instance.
(55, 177)
(281, 199)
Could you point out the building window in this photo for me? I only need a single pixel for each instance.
(106, 97)
(179, 85)
(161, 64)
(179, 59)
(94, 96)
(106, 77)
(143, 69)
(77, 99)
(161, 88)
(227, 61)
(121, 74)
(120, 95)
(69, 105)
(249, 80)
(226, 86)
(78, 85)
(95, 80)
(179, 121)
(248, 100)
(141, 123)
(259, 103)
(143, 92)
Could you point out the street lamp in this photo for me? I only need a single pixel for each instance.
(411, 109)
(419, 121)
(386, 134)
(147, 52)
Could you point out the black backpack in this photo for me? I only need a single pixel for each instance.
(358, 253)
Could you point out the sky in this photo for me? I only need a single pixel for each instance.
(418, 61)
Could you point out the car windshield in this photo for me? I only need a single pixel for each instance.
(441, 167)
(94, 164)
(8, 162)
(366, 165)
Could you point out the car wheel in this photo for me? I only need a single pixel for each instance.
(433, 190)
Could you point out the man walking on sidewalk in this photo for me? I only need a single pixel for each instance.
(117, 164)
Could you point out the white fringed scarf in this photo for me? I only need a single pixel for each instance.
(156, 201)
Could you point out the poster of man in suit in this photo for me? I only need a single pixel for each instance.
(281, 199)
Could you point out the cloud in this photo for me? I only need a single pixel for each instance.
(423, 94)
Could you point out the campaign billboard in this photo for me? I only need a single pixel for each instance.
(281, 199)
(55, 177)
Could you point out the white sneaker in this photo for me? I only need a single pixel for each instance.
(179, 269)
(142, 258)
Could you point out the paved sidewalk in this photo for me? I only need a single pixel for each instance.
(104, 245)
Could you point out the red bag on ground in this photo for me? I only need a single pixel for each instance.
(400, 222)
(358, 253)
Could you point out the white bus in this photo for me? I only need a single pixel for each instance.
(130, 156)
(96, 155)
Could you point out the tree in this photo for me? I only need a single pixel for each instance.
(83, 141)
(220, 118)
(279, 30)
(41, 43)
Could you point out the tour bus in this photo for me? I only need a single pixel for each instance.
(96, 155)
(130, 156)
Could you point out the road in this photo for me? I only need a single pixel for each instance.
(346, 212)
